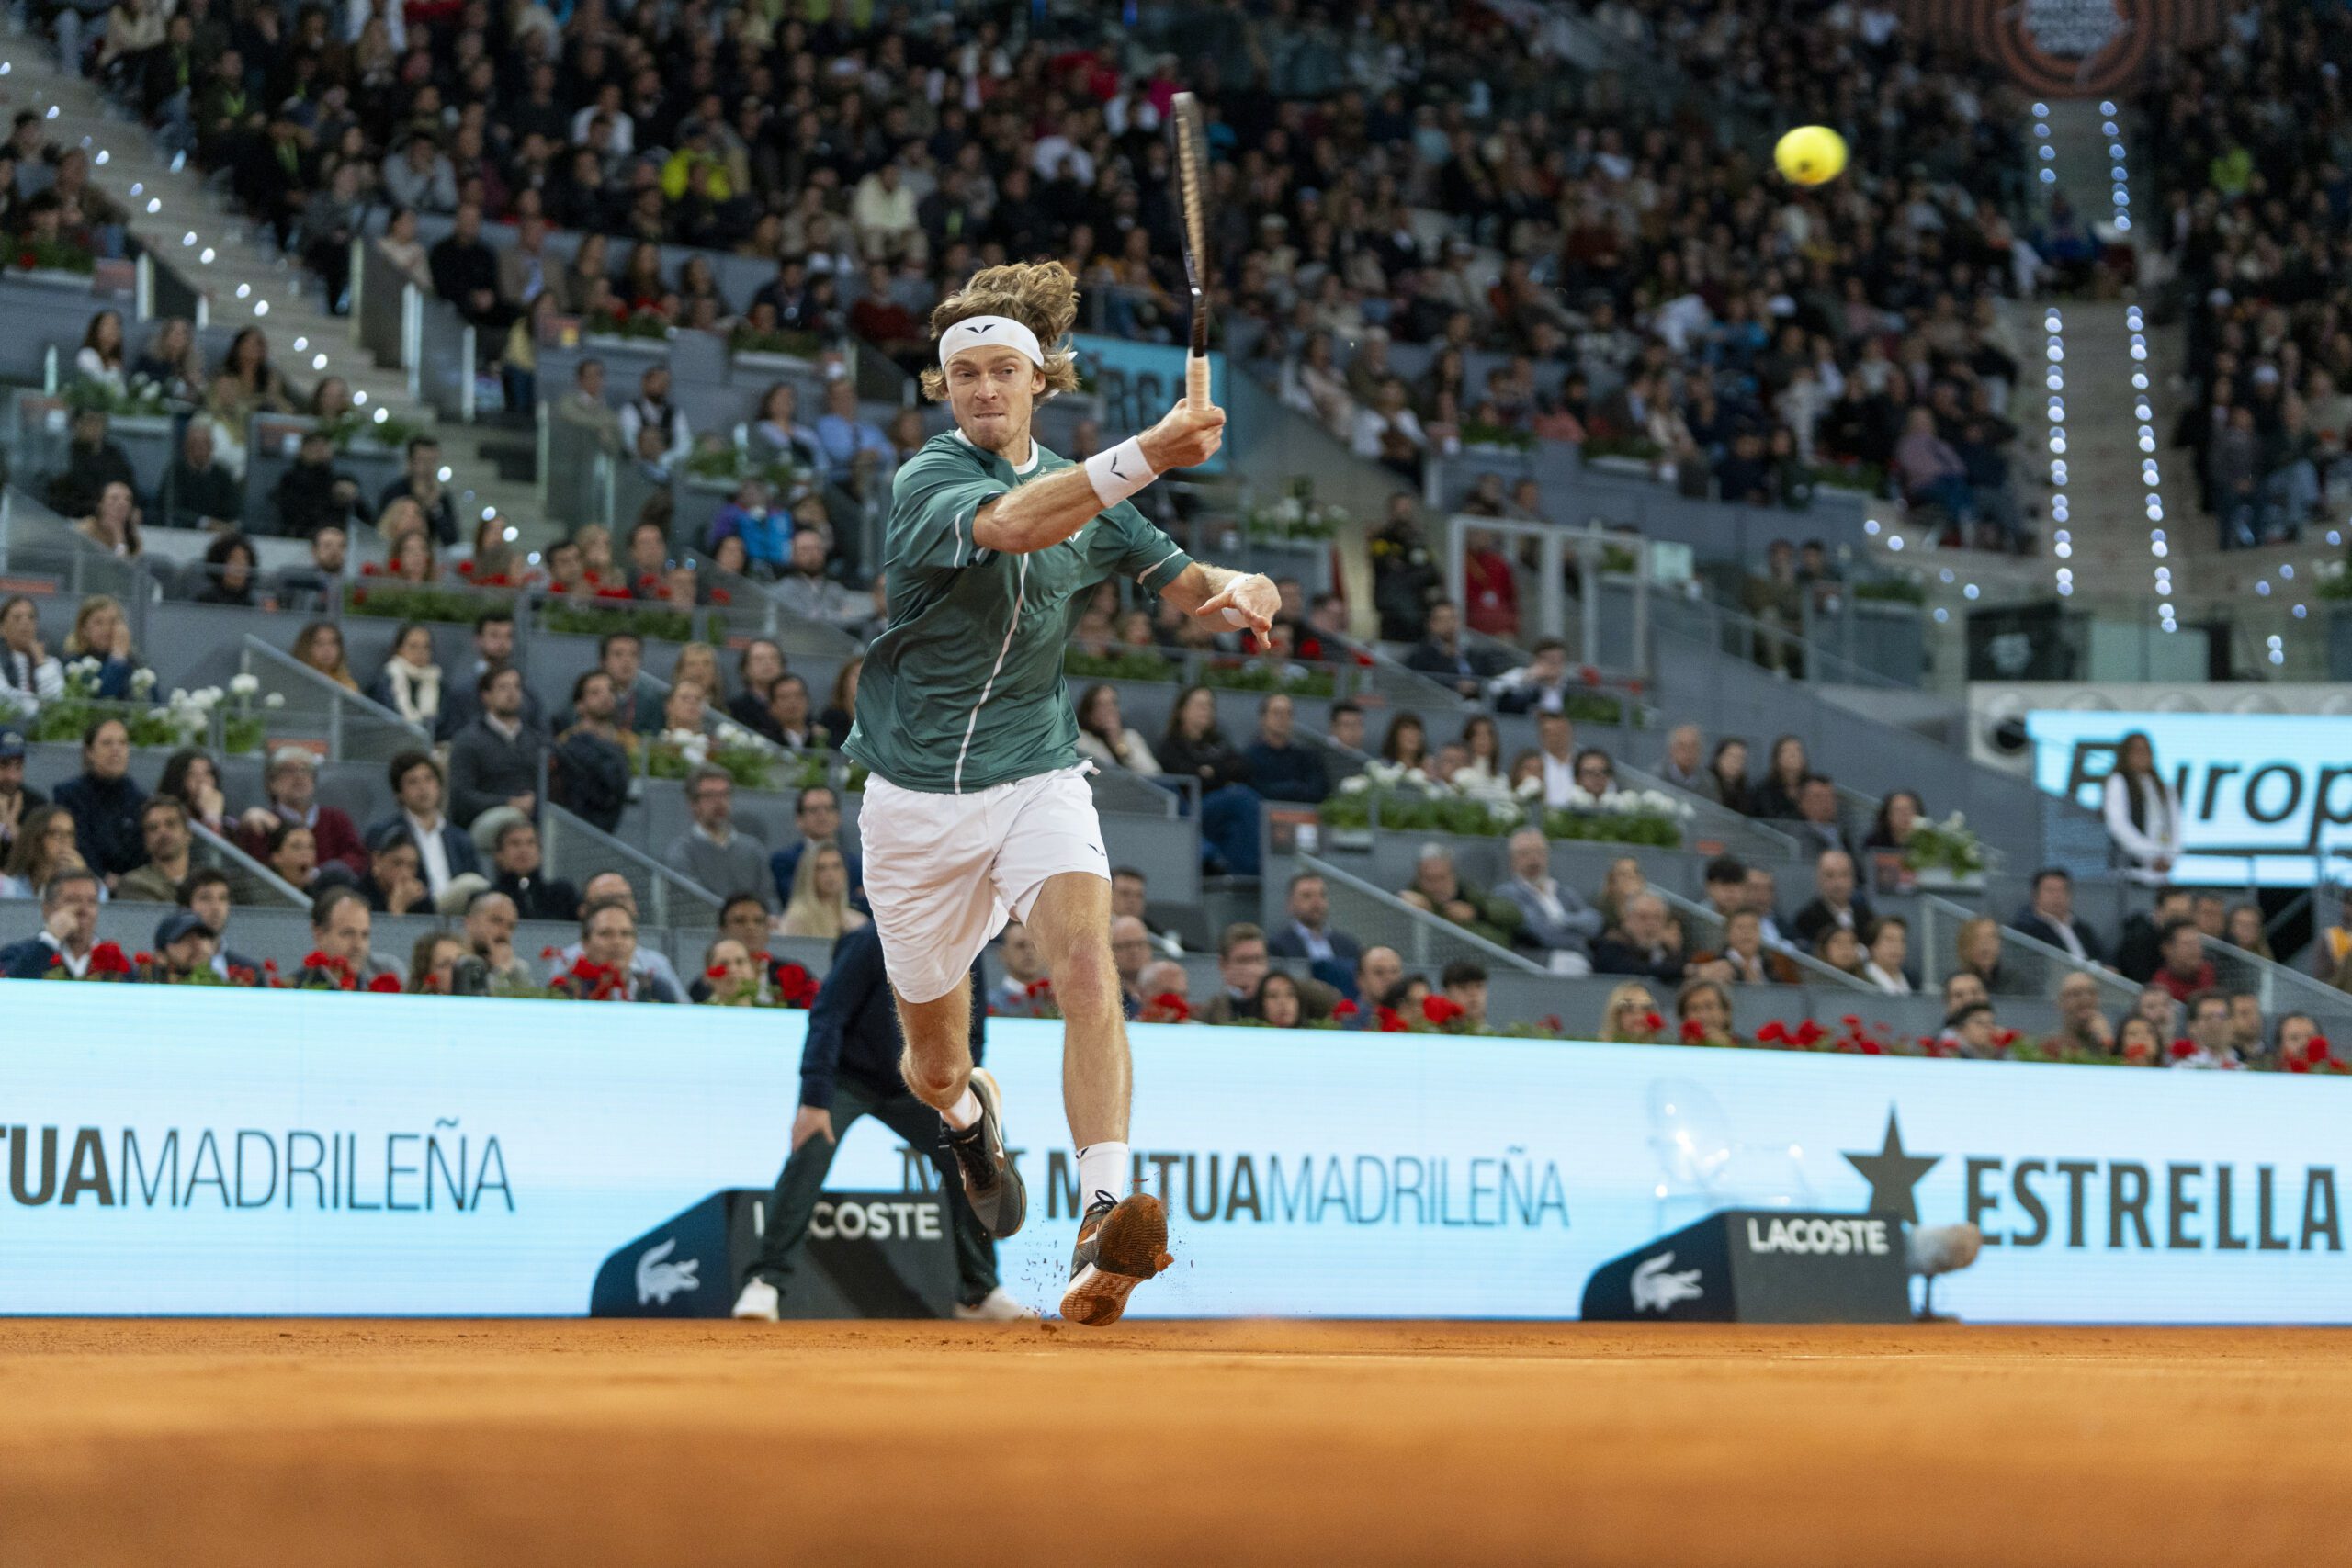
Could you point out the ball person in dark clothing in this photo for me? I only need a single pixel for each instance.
(849, 1068)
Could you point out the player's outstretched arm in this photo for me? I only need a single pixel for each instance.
(1042, 514)
(1240, 599)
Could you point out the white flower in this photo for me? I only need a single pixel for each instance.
(1414, 776)
(142, 681)
(274, 699)
(1356, 785)
(1618, 800)
(244, 685)
(1384, 774)
(1529, 788)
(1957, 821)
(84, 666)
(1579, 800)
(1657, 800)
(205, 698)
(179, 695)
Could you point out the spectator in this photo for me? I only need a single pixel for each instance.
(2143, 816)
(1703, 1009)
(229, 564)
(292, 852)
(1241, 968)
(819, 903)
(790, 716)
(1439, 889)
(2293, 1043)
(319, 646)
(445, 850)
(313, 493)
(410, 682)
(1971, 1030)
(1378, 972)
(496, 759)
(648, 968)
(2184, 970)
(69, 931)
(1104, 737)
(2159, 1008)
(162, 826)
(1194, 748)
(1889, 949)
(1723, 883)
(341, 930)
(2139, 953)
(315, 588)
(1542, 685)
(1899, 818)
(763, 529)
(432, 965)
(1763, 896)
(512, 843)
(1279, 1003)
(1280, 769)
(757, 672)
(101, 633)
(2208, 1034)
(806, 591)
(652, 409)
(2137, 1043)
(185, 948)
(113, 521)
(844, 438)
(2211, 915)
(1166, 993)
(425, 481)
(1387, 432)
(1405, 743)
(1639, 943)
(1464, 983)
(1343, 758)
(1308, 933)
(711, 852)
(606, 967)
(1131, 952)
(1630, 1016)
(92, 463)
(44, 846)
(1596, 776)
(589, 769)
(2081, 1026)
(584, 410)
(1490, 586)
(29, 675)
(1556, 739)
(1129, 896)
(2242, 929)
(1841, 950)
(2246, 1034)
(1624, 879)
(199, 492)
(462, 699)
(1835, 901)
(1777, 795)
(1684, 768)
(1555, 923)
(99, 359)
(1441, 653)
(776, 431)
(818, 816)
(290, 783)
(637, 710)
(489, 934)
(2050, 917)
(1818, 829)
(1745, 956)
(104, 801)
(418, 178)
(17, 799)
(392, 886)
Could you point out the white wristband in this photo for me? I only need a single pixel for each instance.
(1120, 472)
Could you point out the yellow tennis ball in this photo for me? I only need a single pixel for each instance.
(1810, 155)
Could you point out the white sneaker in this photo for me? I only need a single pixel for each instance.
(759, 1302)
(997, 1306)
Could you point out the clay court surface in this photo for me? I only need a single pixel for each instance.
(334, 1443)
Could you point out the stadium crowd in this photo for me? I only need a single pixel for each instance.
(2252, 137)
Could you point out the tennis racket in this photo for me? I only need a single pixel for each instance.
(1191, 187)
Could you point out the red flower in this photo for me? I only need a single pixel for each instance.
(1169, 1008)
(57, 960)
(2182, 1050)
(2004, 1038)
(2298, 1064)
(1443, 1010)
(720, 596)
(371, 568)
(1388, 1021)
(1773, 1034)
(621, 593)
(1808, 1035)
(239, 975)
(588, 574)
(269, 966)
(1873, 1048)
(1693, 1031)
(716, 972)
(1653, 1022)
(1038, 988)
(1363, 660)
(548, 954)
(1588, 674)
(1552, 1023)
(761, 958)
(359, 596)
(142, 959)
(554, 587)
(1851, 1020)
(795, 986)
(1344, 1009)
(1310, 648)
(2315, 1049)
(387, 984)
(465, 569)
(314, 959)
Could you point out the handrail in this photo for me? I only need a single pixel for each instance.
(1936, 959)
(1711, 813)
(668, 893)
(2282, 987)
(1426, 926)
(248, 876)
(1720, 617)
(339, 698)
(1691, 909)
(1552, 541)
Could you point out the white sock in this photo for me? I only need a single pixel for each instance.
(1102, 1167)
(965, 1112)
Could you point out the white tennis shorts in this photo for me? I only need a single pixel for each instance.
(945, 872)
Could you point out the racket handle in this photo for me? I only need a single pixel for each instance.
(1196, 382)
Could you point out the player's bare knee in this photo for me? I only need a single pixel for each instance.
(934, 1079)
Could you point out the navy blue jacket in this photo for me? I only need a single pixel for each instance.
(1287, 773)
(854, 1028)
(106, 821)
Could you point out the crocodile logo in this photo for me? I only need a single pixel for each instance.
(1655, 1290)
(658, 1280)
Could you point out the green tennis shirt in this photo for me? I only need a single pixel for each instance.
(963, 690)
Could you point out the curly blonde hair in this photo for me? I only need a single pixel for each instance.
(1040, 296)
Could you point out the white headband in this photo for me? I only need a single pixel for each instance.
(979, 331)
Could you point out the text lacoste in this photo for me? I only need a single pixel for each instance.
(1838, 1237)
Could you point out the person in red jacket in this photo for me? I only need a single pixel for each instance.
(292, 784)
(1489, 588)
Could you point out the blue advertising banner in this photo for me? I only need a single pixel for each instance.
(2265, 798)
(174, 1151)
(1140, 381)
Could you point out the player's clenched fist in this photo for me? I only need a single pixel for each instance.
(1184, 438)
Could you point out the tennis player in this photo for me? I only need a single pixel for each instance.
(978, 807)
